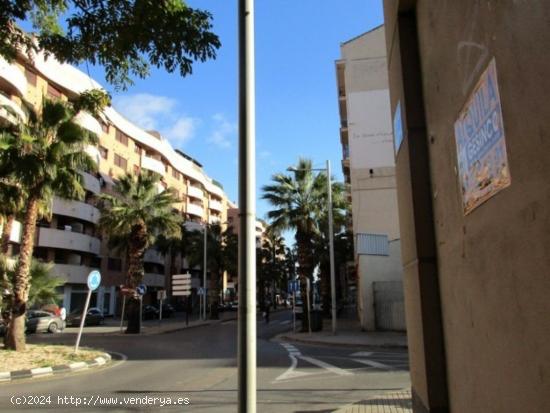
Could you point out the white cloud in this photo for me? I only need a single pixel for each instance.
(264, 154)
(144, 109)
(181, 130)
(223, 131)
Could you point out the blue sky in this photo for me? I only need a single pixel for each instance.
(297, 42)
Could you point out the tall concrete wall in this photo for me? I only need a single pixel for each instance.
(477, 285)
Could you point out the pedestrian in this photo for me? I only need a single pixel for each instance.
(63, 315)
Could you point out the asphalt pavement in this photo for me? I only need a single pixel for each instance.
(195, 370)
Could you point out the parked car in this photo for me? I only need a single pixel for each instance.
(150, 312)
(167, 310)
(94, 317)
(42, 321)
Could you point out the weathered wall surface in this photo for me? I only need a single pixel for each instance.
(494, 263)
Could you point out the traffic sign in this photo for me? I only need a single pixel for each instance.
(181, 276)
(94, 279)
(161, 295)
(141, 289)
(185, 293)
(181, 282)
(293, 286)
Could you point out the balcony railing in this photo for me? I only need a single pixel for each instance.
(87, 121)
(195, 192)
(14, 76)
(13, 113)
(77, 274)
(216, 205)
(56, 238)
(91, 183)
(195, 209)
(153, 256)
(76, 209)
(153, 280)
(152, 165)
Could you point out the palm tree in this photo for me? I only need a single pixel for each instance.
(221, 256)
(45, 156)
(270, 262)
(298, 200)
(134, 216)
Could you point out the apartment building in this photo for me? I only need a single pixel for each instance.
(369, 169)
(71, 239)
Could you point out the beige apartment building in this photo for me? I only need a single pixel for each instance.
(71, 239)
(369, 169)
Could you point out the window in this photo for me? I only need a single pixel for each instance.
(103, 152)
(114, 264)
(104, 126)
(176, 193)
(31, 76)
(121, 137)
(53, 92)
(120, 161)
(137, 149)
(175, 173)
(137, 170)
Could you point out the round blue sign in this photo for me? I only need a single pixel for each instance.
(94, 279)
(141, 289)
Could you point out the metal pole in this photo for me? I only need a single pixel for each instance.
(140, 311)
(293, 311)
(331, 248)
(204, 274)
(82, 320)
(308, 307)
(122, 315)
(247, 213)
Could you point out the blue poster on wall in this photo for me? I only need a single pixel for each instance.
(480, 143)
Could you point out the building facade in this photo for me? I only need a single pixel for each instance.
(369, 169)
(71, 239)
(469, 88)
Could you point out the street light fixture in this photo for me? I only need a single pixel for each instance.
(330, 238)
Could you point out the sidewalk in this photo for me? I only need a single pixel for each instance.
(394, 402)
(348, 333)
(150, 327)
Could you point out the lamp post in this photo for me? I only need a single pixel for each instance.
(330, 239)
(203, 315)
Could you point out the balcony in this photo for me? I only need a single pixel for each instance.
(13, 113)
(93, 151)
(195, 209)
(15, 234)
(344, 136)
(88, 122)
(216, 205)
(76, 209)
(91, 183)
(154, 256)
(152, 164)
(195, 192)
(214, 219)
(13, 78)
(193, 226)
(153, 280)
(56, 238)
(77, 274)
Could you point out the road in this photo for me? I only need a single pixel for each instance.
(200, 364)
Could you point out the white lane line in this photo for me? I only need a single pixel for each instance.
(373, 363)
(285, 322)
(326, 366)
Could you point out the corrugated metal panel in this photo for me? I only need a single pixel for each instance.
(372, 244)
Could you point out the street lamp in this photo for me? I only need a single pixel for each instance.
(330, 238)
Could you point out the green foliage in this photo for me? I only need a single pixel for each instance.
(138, 202)
(45, 155)
(93, 101)
(44, 287)
(125, 36)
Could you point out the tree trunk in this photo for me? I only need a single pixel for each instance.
(6, 232)
(15, 335)
(305, 271)
(137, 244)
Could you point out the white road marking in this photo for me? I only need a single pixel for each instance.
(285, 322)
(373, 363)
(294, 354)
(362, 354)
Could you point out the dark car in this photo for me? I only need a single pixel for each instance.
(167, 310)
(94, 317)
(42, 322)
(150, 312)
